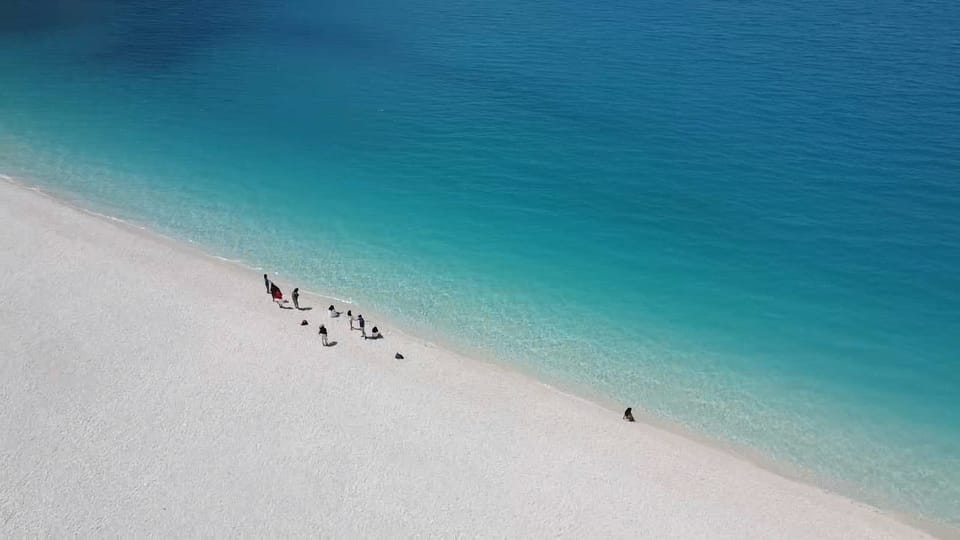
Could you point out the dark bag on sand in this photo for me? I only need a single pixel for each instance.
(398, 356)
(304, 323)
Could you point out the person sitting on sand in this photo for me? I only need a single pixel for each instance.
(276, 293)
(266, 281)
(628, 414)
(323, 335)
(374, 334)
(333, 312)
(296, 298)
(361, 322)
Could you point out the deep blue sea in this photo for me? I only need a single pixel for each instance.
(740, 216)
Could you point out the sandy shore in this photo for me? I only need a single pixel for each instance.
(147, 389)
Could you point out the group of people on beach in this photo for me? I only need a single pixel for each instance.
(274, 291)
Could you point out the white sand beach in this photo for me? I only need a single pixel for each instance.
(149, 390)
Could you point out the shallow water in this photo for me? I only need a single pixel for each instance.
(744, 218)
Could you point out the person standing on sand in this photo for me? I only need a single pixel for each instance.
(296, 298)
(276, 293)
(363, 331)
(266, 282)
(323, 335)
(352, 318)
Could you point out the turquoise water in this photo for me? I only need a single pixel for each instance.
(742, 217)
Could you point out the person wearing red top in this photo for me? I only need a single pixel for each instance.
(276, 293)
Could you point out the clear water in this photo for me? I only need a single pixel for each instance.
(741, 216)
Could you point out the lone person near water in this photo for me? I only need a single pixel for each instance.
(628, 414)
(363, 331)
(323, 335)
(266, 283)
(296, 297)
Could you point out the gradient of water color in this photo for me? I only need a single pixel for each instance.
(741, 216)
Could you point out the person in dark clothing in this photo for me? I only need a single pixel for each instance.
(628, 414)
(323, 335)
(296, 298)
(363, 330)
(266, 283)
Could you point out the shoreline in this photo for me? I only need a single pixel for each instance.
(514, 374)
